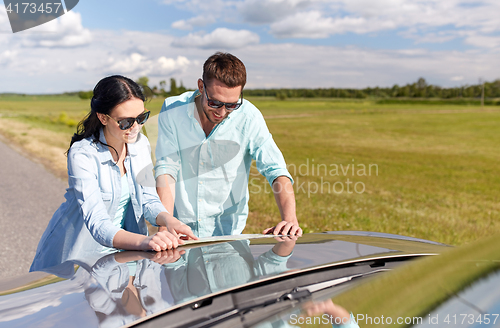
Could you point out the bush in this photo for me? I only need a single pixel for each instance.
(86, 94)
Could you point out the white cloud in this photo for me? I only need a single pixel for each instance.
(314, 25)
(7, 57)
(433, 21)
(82, 65)
(137, 64)
(308, 25)
(269, 65)
(4, 20)
(220, 38)
(65, 31)
(169, 66)
(425, 21)
(363, 16)
(457, 78)
(197, 6)
(197, 21)
(263, 12)
(483, 41)
(5, 29)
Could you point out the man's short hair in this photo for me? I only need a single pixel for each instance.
(226, 68)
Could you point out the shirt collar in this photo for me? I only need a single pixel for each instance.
(102, 150)
(192, 107)
(192, 104)
(104, 153)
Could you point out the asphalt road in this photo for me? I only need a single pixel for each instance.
(29, 195)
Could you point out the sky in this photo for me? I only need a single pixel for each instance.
(283, 43)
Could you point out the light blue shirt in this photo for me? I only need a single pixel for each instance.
(211, 173)
(123, 205)
(83, 225)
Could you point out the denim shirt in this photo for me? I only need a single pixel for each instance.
(83, 226)
(212, 172)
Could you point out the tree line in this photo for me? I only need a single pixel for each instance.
(418, 89)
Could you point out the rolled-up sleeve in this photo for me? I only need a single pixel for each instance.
(152, 205)
(82, 171)
(270, 263)
(167, 149)
(269, 159)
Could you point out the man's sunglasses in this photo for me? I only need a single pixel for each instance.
(219, 104)
(127, 123)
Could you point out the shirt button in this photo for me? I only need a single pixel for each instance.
(201, 182)
(202, 163)
(199, 200)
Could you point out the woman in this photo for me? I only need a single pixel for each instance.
(105, 158)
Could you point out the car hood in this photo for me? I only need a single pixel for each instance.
(125, 288)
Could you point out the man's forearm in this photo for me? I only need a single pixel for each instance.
(285, 199)
(165, 187)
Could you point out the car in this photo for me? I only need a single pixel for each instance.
(229, 281)
(458, 288)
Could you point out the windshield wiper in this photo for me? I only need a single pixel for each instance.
(270, 307)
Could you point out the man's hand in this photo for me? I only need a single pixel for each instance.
(285, 199)
(284, 228)
(170, 224)
(285, 245)
(336, 311)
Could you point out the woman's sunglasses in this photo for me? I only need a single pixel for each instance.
(127, 123)
(219, 104)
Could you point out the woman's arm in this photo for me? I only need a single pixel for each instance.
(132, 241)
(160, 241)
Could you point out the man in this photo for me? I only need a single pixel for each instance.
(206, 142)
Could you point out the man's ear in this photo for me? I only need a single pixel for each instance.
(103, 118)
(200, 85)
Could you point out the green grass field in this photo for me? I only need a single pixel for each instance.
(433, 168)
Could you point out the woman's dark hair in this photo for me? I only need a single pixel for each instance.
(108, 93)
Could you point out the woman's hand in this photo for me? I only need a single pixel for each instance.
(133, 241)
(165, 257)
(160, 241)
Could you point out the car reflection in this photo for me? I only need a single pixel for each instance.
(125, 286)
(205, 270)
